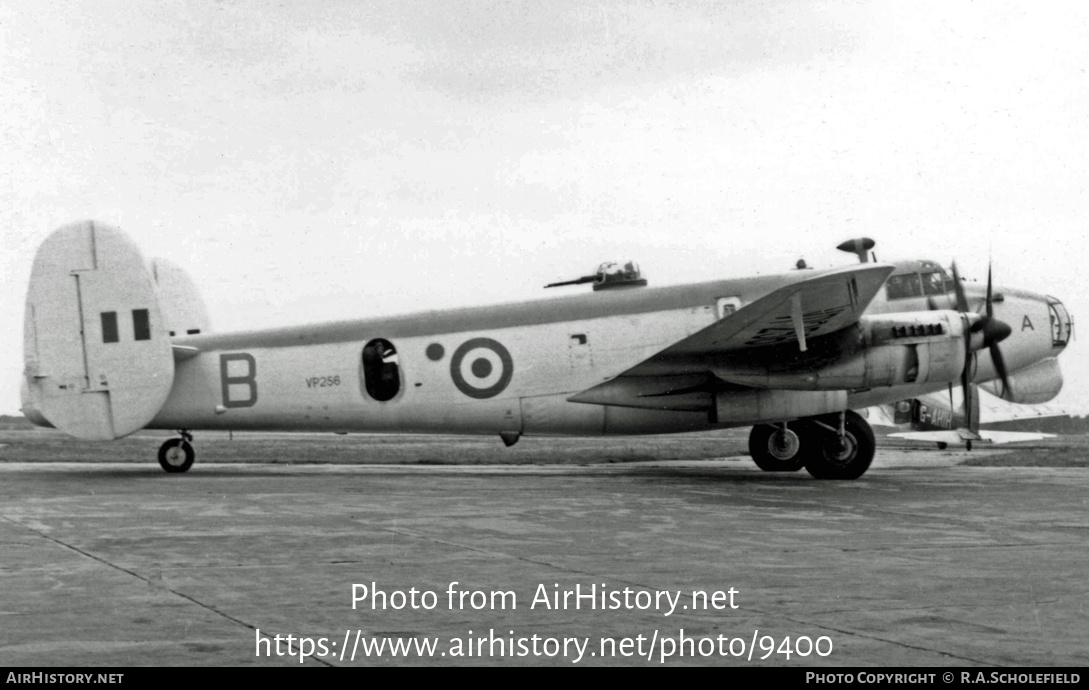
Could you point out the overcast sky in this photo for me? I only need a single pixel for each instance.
(322, 160)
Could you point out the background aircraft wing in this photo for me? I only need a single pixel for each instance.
(879, 415)
(962, 435)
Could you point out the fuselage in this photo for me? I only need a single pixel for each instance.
(512, 367)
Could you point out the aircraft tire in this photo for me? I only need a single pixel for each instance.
(826, 459)
(176, 455)
(772, 458)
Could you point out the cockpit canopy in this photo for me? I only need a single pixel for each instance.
(918, 279)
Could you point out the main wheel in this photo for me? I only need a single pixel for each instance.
(176, 455)
(827, 456)
(774, 449)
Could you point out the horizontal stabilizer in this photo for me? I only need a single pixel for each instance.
(184, 352)
(97, 358)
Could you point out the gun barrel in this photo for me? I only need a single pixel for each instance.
(577, 281)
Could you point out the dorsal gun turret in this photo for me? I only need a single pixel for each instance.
(610, 275)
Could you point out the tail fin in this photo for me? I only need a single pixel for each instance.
(183, 308)
(97, 353)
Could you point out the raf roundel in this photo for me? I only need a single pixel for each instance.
(481, 368)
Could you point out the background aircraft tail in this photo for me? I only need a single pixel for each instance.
(98, 361)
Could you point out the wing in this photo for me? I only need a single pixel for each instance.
(798, 312)
(962, 435)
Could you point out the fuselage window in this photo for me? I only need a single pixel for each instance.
(902, 286)
(380, 372)
(934, 283)
(725, 306)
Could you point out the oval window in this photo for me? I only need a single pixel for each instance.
(380, 373)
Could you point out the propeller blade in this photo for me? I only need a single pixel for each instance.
(994, 331)
(990, 308)
(973, 411)
(1000, 367)
(966, 381)
(966, 390)
(962, 300)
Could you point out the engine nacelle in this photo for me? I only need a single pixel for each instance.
(1033, 385)
(894, 349)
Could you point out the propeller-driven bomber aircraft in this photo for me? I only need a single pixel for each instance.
(114, 343)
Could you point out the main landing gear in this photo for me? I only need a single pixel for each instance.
(837, 446)
(176, 455)
(776, 448)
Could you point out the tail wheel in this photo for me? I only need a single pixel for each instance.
(775, 449)
(830, 456)
(176, 455)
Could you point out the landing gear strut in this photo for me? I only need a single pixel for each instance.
(775, 448)
(176, 455)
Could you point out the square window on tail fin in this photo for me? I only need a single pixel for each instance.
(141, 325)
(109, 327)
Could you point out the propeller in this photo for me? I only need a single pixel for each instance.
(991, 332)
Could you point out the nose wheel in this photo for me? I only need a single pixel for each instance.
(176, 455)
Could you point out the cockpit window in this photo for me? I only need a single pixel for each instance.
(934, 283)
(902, 286)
